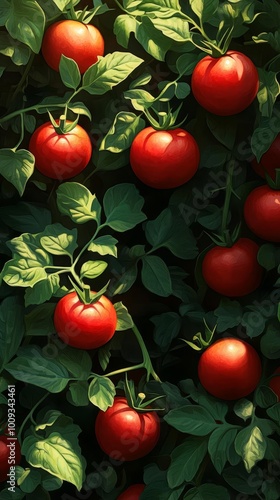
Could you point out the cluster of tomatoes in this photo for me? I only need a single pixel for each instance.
(224, 86)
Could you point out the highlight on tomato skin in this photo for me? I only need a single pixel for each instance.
(262, 213)
(225, 85)
(233, 271)
(130, 434)
(229, 369)
(164, 159)
(133, 492)
(85, 326)
(274, 383)
(60, 156)
(75, 40)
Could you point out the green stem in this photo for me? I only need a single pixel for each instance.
(21, 133)
(27, 110)
(124, 370)
(122, 8)
(146, 357)
(227, 198)
(30, 415)
(87, 244)
(23, 78)
(72, 12)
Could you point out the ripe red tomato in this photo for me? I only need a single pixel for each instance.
(262, 213)
(274, 383)
(78, 41)
(164, 159)
(9, 455)
(225, 85)
(132, 493)
(60, 156)
(229, 369)
(125, 434)
(270, 160)
(85, 326)
(233, 271)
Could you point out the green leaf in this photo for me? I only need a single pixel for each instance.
(48, 420)
(18, 52)
(204, 9)
(177, 28)
(270, 343)
(191, 419)
(268, 91)
(244, 409)
(93, 268)
(274, 412)
(43, 290)
(58, 240)
(123, 207)
(69, 72)
(109, 71)
(124, 25)
(211, 217)
(223, 128)
(124, 321)
(77, 361)
(167, 328)
(56, 455)
(272, 38)
(76, 201)
(11, 328)
(155, 276)
(238, 478)
(78, 393)
(39, 321)
(264, 135)
(229, 314)
(186, 63)
(207, 491)
(268, 256)
(101, 392)
(79, 108)
(250, 444)
(16, 167)
(50, 482)
(31, 367)
(27, 479)
(185, 460)
(106, 161)
(219, 443)
(152, 40)
(121, 134)
(265, 397)
(104, 245)
(26, 23)
(16, 494)
(26, 217)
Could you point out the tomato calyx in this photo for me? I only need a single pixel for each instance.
(61, 126)
(201, 342)
(137, 400)
(85, 294)
(166, 120)
(273, 184)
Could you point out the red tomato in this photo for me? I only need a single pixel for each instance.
(262, 213)
(233, 271)
(85, 326)
(9, 452)
(270, 160)
(78, 41)
(125, 434)
(274, 383)
(229, 369)
(225, 85)
(60, 156)
(164, 159)
(132, 493)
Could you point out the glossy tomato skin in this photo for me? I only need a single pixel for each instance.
(132, 493)
(85, 326)
(164, 159)
(8, 452)
(78, 41)
(262, 213)
(270, 160)
(225, 85)
(274, 383)
(234, 271)
(60, 156)
(229, 369)
(125, 434)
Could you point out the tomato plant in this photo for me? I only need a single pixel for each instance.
(229, 369)
(233, 271)
(129, 434)
(139, 249)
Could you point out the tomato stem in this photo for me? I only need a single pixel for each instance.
(147, 364)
